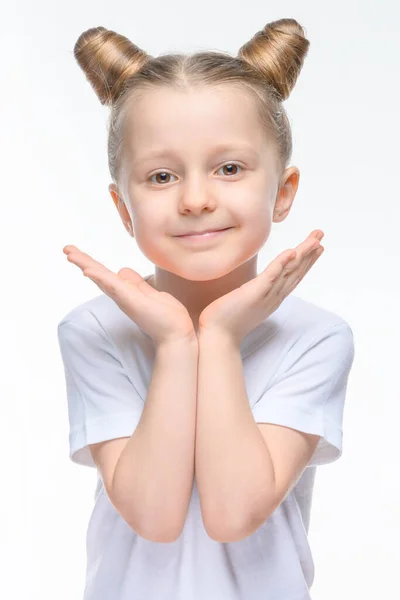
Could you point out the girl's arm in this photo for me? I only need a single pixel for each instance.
(232, 470)
(248, 459)
(153, 479)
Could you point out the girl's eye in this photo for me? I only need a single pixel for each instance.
(165, 173)
(229, 165)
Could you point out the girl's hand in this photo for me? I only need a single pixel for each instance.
(237, 313)
(159, 314)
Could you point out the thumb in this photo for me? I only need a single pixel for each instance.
(130, 275)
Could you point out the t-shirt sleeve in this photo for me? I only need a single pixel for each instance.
(103, 404)
(308, 391)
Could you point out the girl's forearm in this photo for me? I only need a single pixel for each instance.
(153, 479)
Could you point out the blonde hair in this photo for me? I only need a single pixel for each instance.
(268, 66)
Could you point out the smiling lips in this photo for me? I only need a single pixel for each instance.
(203, 232)
(203, 237)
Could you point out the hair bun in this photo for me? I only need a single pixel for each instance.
(277, 52)
(108, 60)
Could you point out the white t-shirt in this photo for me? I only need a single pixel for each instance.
(296, 365)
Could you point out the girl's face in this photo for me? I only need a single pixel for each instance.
(199, 160)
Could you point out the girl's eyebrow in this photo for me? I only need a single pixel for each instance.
(219, 149)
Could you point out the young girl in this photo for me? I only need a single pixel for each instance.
(206, 394)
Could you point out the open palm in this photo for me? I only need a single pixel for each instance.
(237, 313)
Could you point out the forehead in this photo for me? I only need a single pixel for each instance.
(204, 118)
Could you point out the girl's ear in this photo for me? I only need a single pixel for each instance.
(121, 208)
(286, 194)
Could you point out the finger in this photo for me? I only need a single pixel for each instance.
(132, 276)
(127, 296)
(317, 234)
(108, 282)
(83, 260)
(308, 245)
(277, 272)
(291, 259)
(289, 283)
(265, 281)
(297, 274)
(286, 268)
(314, 257)
(96, 278)
(67, 249)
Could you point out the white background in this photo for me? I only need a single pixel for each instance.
(344, 112)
